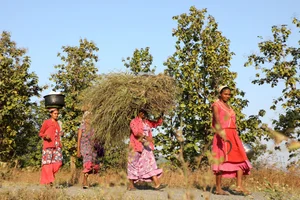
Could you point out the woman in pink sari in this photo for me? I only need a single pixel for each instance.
(230, 158)
(141, 161)
(52, 152)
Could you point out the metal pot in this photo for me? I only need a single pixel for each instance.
(54, 101)
(249, 150)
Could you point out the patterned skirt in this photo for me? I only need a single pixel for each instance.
(90, 158)
(52, 155)
(142, 166)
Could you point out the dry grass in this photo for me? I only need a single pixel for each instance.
(24, 194)
(65, 177)
(259, 180)
(116, 98)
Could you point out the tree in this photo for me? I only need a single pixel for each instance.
(76, 73)
(29, 149)
(17, 87)
(200, 64)
(141, 61)
(279, 65)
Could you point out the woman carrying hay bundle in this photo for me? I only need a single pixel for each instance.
(86, 147)
(52, 148)
(227, 146)
(141, 161)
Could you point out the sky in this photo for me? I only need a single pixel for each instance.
(118, 27)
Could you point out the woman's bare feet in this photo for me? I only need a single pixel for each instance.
(131, 186)
(221, 192)
(242, 190)
(160, 186)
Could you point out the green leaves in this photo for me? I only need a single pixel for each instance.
(76, 73)
(200, 64)
(279, 65)
(141, 61)
(17, 86)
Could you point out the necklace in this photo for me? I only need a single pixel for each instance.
(223, 104)
(226, 108)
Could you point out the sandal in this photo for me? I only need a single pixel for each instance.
(85, 187)
(161, 186)
(59, 187)
(239, 190)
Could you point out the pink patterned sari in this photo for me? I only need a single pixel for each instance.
(142, 166)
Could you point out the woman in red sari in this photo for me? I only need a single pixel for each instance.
(52, 152)
(228, 150)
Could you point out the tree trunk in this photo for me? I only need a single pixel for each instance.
(74, 174)
(72, 163)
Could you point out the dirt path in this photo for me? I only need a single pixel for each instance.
(31, 191)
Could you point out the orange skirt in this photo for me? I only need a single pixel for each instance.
(49, 171)
(229, 158)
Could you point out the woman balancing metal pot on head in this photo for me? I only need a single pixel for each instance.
(52, 152)
(227, 146)
(141, 161)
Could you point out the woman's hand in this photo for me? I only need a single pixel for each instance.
(47, 138)
(149, 139)
(61, 133)
(222, 134)
(140, 137)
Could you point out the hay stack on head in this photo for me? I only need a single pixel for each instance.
(118, 97)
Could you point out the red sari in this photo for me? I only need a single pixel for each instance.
(52, 152)
(236, 159)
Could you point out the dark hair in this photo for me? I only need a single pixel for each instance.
(53, 109)
(225, 88)
(143, 110)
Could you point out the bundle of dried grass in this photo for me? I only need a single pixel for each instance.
(116, 98)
